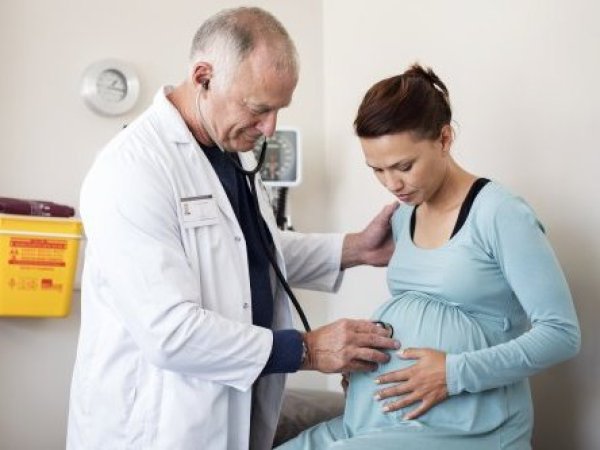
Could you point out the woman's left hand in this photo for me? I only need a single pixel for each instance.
(423, 382)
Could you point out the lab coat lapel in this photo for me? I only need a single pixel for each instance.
(178, 132)
(249, 163)
(218, 190)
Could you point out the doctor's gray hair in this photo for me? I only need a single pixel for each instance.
(228, 37)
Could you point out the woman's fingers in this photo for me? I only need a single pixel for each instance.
(419, 410)
(394, 377)
(393, 391)
(400, 403)
(426, 403)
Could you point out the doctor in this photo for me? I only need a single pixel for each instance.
(185, 334)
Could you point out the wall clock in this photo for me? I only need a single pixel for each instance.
(110, 87)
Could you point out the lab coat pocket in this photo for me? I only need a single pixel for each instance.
(144, 404)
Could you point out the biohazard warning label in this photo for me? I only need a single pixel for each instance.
(36, 252)
(36, 269)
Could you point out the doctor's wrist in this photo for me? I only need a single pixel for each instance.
(305, 361)
(352, 251)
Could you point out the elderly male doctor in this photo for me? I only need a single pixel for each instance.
(185, 335)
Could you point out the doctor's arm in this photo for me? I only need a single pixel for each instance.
(147, 283)
(345, 345)
(315, 261)
(372, 246)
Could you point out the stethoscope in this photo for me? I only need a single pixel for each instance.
(251, 177)
(261, 225)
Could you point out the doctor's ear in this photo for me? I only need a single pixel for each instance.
(201, 74)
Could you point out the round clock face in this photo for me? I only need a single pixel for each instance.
(281, 160)
(110, 87)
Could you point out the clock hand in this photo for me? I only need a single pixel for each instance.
(115, 88)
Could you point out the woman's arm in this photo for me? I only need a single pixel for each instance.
(530, 266)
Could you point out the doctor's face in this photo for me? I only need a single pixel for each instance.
(242, 111)
(410, 168)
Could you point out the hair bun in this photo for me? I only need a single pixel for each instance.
(416, 70)
(416, 101)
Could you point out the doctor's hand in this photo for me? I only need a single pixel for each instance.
(423, 383)
(347, 346)
(373, 245)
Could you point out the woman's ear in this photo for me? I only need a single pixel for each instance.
(446, 138)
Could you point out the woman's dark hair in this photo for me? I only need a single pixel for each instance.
(416, 101)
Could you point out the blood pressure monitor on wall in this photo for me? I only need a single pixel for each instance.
(281, 170)
(282, 166)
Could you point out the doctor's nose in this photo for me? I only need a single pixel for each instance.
(268, 124)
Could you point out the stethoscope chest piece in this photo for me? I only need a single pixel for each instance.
(385, 326)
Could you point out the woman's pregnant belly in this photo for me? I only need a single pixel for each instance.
(421, 321)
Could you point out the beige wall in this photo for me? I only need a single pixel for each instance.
(523, 80)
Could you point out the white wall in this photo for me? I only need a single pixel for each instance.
(48, 139)
(523, 79)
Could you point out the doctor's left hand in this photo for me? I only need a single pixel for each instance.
(423, 383)
(373, 245)
(347, 345)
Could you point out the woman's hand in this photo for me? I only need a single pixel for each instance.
(423, 382)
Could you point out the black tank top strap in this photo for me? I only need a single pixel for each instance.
(465, 208)
(468, 203)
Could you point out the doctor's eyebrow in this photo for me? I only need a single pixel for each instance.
(262, 108)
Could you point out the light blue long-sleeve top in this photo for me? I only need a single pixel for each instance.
(495, 299)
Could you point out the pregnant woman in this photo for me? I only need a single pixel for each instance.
(478, 299)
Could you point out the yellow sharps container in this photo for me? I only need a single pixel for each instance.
(38, 260)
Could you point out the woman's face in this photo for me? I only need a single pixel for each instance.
(410, 168)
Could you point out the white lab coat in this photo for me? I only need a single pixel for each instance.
(168, 356)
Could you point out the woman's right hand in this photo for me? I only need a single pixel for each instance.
(423, 383)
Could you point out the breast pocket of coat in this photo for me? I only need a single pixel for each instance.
(201, 225)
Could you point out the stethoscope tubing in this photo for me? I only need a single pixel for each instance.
(251, 175)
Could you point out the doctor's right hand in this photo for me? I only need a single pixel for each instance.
(347, 346)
